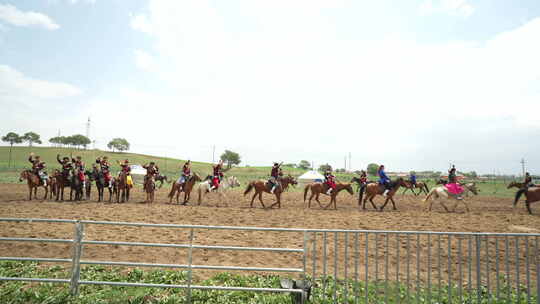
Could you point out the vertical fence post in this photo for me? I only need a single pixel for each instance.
(304, 261)
(190, 265)
(76, 258)
(478, 270)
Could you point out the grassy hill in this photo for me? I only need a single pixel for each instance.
(171, 167)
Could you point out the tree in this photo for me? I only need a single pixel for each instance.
(31, 138)
(304, 164)
(325, 167)
(120, 144)
(11, 138)
(231, 158)
(79, 140)
(289, 165)
(372, 169)
(55, 140)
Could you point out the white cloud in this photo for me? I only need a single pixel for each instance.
(11, 15)
(292, 75)
(15, 85)
(144, 61)
(141, 23)
(461, 8)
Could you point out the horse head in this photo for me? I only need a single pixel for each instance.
(292, 180)
(233, 182)
(23, 175)
(472, 188)
(513, 184)
(349, 188)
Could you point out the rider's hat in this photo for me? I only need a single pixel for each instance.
(105, 157)
(126, 161)
(276, 164)
(78, 157)
(152, 163)
(65, 158)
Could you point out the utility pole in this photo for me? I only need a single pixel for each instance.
(345, 164)
(88, 128)
(350, 167)
(214, 154)
(523, 166)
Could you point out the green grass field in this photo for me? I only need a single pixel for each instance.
(171, 167)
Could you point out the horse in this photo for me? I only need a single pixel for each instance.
(122, 188)
(89, 177)
(62, 181)
(289, 181)
(532, 194)
(374, 189)
(33, 182)
(441, 192)
(261, 186)
(441, 181)
(227, 183)
(188, 186)
(161, 179)
(419, 185)
(150, 188)
(361, 188)
(318, 188)
(101, 184)
(76, 186)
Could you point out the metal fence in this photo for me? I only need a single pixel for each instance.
(347, 266)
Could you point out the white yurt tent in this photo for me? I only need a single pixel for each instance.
(138, 173)
(310, 176)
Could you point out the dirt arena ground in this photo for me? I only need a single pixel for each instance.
(488, 214)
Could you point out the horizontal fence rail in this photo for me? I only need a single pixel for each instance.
(346, 266)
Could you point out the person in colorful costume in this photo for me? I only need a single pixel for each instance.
(528, 181)
(126, 168)
(105, 168)
(412, 179)
(453, 186)
(384, 180)
(67, 166)
(275, 175)
(330, 181)
(38, 168)
(78, 164)
(152, 170)
(185, 175)
(217, 175)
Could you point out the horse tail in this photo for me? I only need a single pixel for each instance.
(306, 188)
(426, 187)
(248, 189)
(429, 194)
(518, 195)
(199, 192)
(173, 190)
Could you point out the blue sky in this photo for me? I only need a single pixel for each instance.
(411, 84)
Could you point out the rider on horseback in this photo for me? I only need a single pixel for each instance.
(412, 179)
(152, 170)
(453, 187)
(329, 179)
(66, 165)
(105, 169)
(383, 179)
(217, 175)
(126, 168)
(452, 177)
(37, 168)
(528, 180)
(79, 166)
(275, 175)
(185, 175)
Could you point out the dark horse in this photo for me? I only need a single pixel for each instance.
(33, 182)
(318, 188)
(62, 181)
(161, 179)
(373, 190)
(532, 194)
(261, 186)
(419, 185)
(76, 186)
(361, 188)
(150, 188)
(101, 184)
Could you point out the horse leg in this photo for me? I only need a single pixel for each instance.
(46, 192)
(372, 203)
(127, 194)
(394, 203)
(444, 206)
(384, 205)
(30, 193)
(260, 200)
(317, 200)
(335, 202)
(310, 198)
(252, 199)
(528, 204)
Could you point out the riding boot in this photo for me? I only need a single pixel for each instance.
(44, 183)
(273, 188)
(386, 192)
(329, 191)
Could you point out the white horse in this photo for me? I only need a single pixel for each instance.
(440, 193)
(204, 187)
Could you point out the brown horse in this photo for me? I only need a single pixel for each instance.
(289, 181)
(150, 188)
(318, 188)
(532, 194)
(372, 190)
(62, 181)
(419, 185)
(188, 186)
(33, 182)
(161, 179)
(261, 186)
(122, 188)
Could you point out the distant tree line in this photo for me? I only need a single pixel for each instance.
(76, 141)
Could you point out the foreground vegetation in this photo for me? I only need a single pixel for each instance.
(24, 292)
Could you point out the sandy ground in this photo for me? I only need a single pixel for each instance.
(488, 214)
